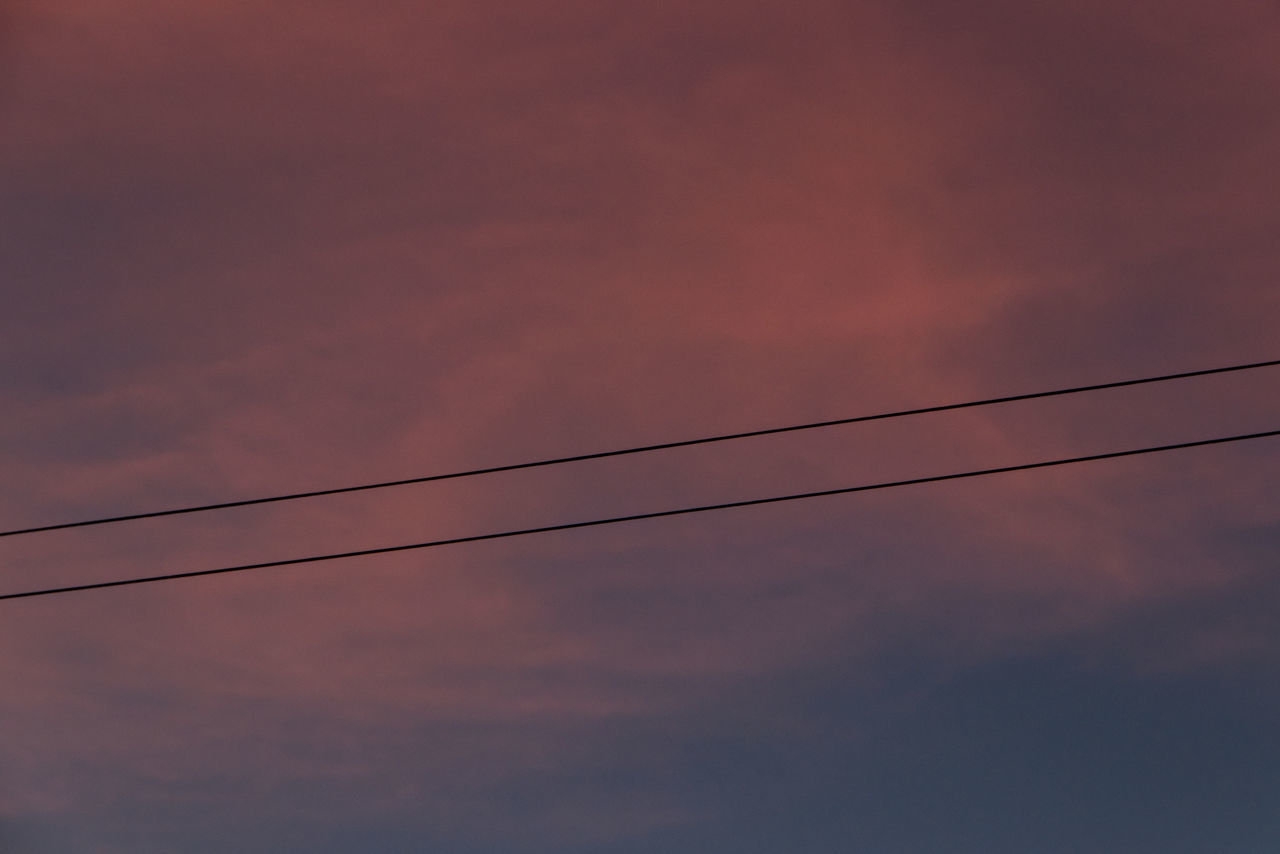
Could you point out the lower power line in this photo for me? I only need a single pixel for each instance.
(681, 511)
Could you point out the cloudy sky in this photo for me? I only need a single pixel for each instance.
(249, 248)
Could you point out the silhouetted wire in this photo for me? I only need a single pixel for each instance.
(663, 446)
(705, 508)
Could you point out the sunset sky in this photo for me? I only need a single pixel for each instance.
(249, 248)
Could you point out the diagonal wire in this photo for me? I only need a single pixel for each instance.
(726, 437)
(682, 511)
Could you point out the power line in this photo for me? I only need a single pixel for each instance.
(725, 437)
(566, 526)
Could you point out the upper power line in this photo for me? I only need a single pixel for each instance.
(681, 511)
(684, 443)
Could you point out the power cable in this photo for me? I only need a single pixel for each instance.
(566, 526)
(726, 437)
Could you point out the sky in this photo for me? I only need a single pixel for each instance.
(250, 248)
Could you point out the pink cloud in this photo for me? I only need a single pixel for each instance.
(328, 245)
